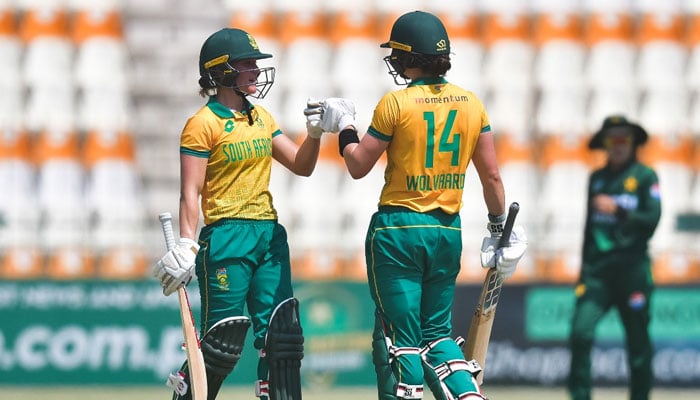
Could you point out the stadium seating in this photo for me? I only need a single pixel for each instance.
(19, 247)
(88, 140)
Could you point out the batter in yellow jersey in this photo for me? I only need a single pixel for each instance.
(241, 256)
(431, 130)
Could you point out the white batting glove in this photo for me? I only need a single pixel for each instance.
(176, 267)
(338, 113)
(313, 111)
(504, 259)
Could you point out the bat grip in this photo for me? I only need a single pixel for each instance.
(508, 227)
(166, 222)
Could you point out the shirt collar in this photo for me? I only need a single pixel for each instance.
(224, 112)
(429, 81)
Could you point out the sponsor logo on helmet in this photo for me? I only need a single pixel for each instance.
(252, 42)
(441, 45)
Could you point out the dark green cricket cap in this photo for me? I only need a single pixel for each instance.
(419, 32)
(228, 44)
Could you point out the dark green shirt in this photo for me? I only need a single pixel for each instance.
(627, 233)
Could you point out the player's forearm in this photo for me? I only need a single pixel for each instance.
(306, 157)
(494, 195)
(189, 216)
(358, 165)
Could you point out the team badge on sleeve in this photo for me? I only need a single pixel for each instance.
(654, 191)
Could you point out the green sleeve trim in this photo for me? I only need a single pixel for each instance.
(486, 129)
(276, 133)
(378, 134)
(195, 153)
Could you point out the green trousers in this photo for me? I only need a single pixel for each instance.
(625, 284)
(412, 264)
(243, 263)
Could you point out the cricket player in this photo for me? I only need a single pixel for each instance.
(241, 257)
(430, 130)
(624, 208)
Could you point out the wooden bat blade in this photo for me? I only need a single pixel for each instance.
(479, 333)
(195, 360)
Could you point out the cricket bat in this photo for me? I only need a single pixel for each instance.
(482, 320)
(195, 360)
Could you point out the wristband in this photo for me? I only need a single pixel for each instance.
(497, 219)
(345, 137)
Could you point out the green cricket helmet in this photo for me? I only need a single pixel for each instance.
(419, 32)
(221, 50)
(416, 38)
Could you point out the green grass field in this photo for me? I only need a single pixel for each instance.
(337, 393)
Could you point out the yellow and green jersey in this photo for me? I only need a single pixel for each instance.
(239, 160)
(432, 127)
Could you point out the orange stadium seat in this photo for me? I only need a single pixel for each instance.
(88, 24)
(304, 66)
(122, 263)
(558, 73)
(114, 193)
(45, 34)
(358, 200)
(102, 70)
(50, 101)
(115, 201)
(664, 112)
(69, 263)
(672, 162)
(61, 179)
(605, 101)
(566, 164)
(660, 37)
(560, 52)
(20, 256)
(11, 85)
(357, 70)
(507, 72)
(509, 51)
(464, 30)
(102, 56)
(21, 263)
(474, 219)
(317, 220)
(609, 36)
(62, 204)
(692, 42)
(520, 174)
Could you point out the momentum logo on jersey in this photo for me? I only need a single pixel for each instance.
(440, 100)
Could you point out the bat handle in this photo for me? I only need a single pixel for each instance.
(166, 222)
(508, 227)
